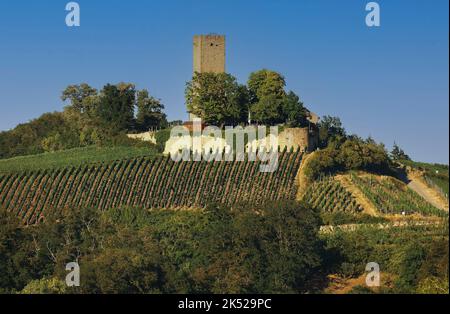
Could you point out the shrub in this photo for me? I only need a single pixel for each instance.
(161, 138)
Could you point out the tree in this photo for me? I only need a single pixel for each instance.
(295, 114)
(27, 138)
(290, 245)
(15, 269)
(267, 96)
(150, 112)
(353, 153)
(115, 112)
(216, 98)
(264, 83)
(398, 154)
(330, 128)
(129, 262)
(77, 94)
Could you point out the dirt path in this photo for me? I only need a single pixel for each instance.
(430, 195)
(301, 178)
(339, 285)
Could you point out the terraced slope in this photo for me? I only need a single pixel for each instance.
(328, 195)
(147, 183)
(391, 196)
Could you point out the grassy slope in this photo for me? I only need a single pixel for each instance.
(74, 157)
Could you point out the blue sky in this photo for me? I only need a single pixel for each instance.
(390, 82)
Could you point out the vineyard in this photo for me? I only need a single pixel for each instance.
(327, 194)
(148, 183)
(391, 196)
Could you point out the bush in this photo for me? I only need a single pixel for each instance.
(415, 254)
(45, 286)
(353, 154)
(217, 250)
(161, 138)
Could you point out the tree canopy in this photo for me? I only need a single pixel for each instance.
(330, 129)
(216, 98)
(399, 154)
(270, 104)
(90, 117)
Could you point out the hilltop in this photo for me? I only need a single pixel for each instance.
(138, 221)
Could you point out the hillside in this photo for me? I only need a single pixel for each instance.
(74, 157)
(147, 183)
(354, 196)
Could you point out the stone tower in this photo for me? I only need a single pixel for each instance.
(209, 53)
(209, 56)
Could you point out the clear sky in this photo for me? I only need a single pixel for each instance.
(390, 82)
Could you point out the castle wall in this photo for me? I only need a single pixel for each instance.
(304, 138)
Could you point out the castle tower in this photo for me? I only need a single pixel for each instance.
(209, 56)
(209, 53)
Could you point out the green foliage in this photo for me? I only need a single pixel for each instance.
(115, 110)
(219, 100)
(217, 250)
(150, 112)
(78, 96)
(398, 154)
(268, 110)
(407, 262)
(48, 132)
(433, 285)
(15, 268)
(294, 111)
(162, 137)
(45, 286)
(361, 290)
(216, 98)
(330, 129)
(264, 83)
(91, 118)
(417, 255)
(353, 154)
(269, 102)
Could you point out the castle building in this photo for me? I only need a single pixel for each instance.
(209, 55)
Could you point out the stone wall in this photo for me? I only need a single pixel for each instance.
(209, 53)
(146, 137)
(305, 138)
